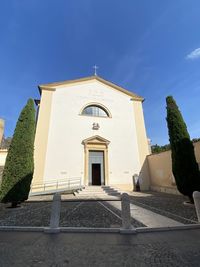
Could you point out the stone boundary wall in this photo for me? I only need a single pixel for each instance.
(160, 170)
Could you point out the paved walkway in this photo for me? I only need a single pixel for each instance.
(167, 249)
(147, 217)
(167, 205)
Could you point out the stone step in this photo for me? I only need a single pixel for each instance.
(107, 198)
(98, 191)
(94, 192)
(116, 194)
(99, 188)
(99, 194)
(93, 187)
(103, 188)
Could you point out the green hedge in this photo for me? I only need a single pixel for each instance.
(19, 166)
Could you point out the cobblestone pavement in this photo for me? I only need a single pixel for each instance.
(166, 204)
(91, 214)
(166, 249)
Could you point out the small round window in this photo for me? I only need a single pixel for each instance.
(94, 110)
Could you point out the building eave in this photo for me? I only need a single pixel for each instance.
(53, 86)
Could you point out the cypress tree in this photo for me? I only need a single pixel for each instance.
(184, 165)
(19, 166)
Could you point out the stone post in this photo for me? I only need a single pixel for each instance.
(126, 213)
(196, 197)
(55, 214)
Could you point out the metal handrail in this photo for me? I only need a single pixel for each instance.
(73, 183)
(60, 180)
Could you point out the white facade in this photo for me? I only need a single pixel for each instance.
(64, 156)
(3, 155)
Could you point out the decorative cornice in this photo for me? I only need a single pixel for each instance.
(95, 139)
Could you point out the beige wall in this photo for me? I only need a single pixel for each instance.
(143, 144)
(67, 129)
(1, 129)
(41, 136)
(59, 151)
(3, 155)
(160, 170)
(197, 151)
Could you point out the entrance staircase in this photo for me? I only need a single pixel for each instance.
(98, 193)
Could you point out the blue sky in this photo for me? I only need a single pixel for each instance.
(148, 47)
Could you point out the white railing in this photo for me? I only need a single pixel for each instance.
(53, 186)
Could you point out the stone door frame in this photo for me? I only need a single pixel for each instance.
(95, 143)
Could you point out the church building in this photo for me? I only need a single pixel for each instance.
(92, 129)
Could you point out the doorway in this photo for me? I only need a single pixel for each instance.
(96, 168)
(96, 174)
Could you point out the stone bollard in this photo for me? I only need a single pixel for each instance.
(196, 197)
(55, 215)
(126, 214)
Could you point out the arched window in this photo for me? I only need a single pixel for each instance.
(95, 110)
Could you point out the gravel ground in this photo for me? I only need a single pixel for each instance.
(73, 214)
(29, 214)
(87, 214)
(168, 205)
(91, 214)
(97, 213)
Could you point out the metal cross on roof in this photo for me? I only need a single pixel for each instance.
(95, 67)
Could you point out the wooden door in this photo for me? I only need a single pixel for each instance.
(96, 174)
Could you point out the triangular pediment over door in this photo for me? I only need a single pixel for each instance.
(96, 139)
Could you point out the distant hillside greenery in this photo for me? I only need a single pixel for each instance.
(157, 149)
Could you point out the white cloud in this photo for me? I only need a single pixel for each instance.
(194, 54)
